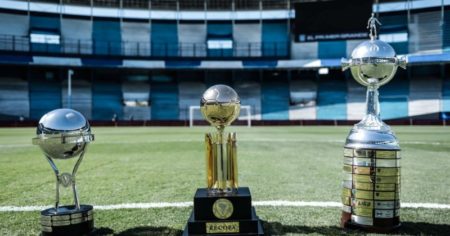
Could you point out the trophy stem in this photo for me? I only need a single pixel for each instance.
(373, 104)
(222, 163)
(372, 120)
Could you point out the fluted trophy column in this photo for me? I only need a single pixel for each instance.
(371, 186)
(64, 134)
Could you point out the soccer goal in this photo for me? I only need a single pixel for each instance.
(245, 114)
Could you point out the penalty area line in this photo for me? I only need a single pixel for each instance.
(275, 203)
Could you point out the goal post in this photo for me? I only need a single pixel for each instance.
(244, 110)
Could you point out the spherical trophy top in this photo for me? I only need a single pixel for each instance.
(63, 133)
(373, 61)
(220, 105)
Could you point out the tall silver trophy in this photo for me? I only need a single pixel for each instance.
(371, 185)
(64, 134)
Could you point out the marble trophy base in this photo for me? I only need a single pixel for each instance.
(67, 220)
(242, 220)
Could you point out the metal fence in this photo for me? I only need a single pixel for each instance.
(180, 4)
(144, 49)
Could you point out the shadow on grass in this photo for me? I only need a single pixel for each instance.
(408, 228)
(102, 231)
(150, 231)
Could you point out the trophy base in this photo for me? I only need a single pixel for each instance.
(388, 225)
(223, 214)
(67, 220)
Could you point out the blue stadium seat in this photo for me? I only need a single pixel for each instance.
(332, 99)
(275, 100)
(45, 95)
(164, 101)
(107, 37)
(275, 38)
(164, 38)
(106, 100)
(394, 99)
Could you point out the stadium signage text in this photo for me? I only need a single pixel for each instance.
(324, 37)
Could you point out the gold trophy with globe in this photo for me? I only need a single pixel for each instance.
(64, 134)
(371, 186)
(223, 207)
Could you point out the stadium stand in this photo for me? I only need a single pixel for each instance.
(392, 24)
(164, 99)
(274, 38)
(425, 32)
(136, 38)
(249, 90)
(164, 38)
(356, 100)
(247, 38)
(219, 30)
(424, 98)
(275, 98)
(14, 100)
(185, 49)
(394, 98)
(44, 93)
(136, 95)
(303, 96)
(106, 34)
(192, 37)
(77, 35)
(81, 96)
(188, 96)
(332, 49)
(106, 99)
(446, 99)
(331, 99)
(46, 25)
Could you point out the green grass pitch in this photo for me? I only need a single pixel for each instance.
(159, 164)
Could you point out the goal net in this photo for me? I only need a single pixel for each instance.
(195, 114)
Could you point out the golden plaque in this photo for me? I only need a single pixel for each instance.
(222, 227)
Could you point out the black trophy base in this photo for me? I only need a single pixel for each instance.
(381, 226)
(67, 220)
(209, 218)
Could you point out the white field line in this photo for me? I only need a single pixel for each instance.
(242, 140)
(275, 203)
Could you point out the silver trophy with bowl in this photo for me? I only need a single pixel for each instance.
(64, 134)
(371, 185)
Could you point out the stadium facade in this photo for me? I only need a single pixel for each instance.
(151, 60)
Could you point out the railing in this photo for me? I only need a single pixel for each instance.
(181, 4)
(144, 49)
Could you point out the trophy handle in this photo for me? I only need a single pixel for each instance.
(55, 169)
(345, 64)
